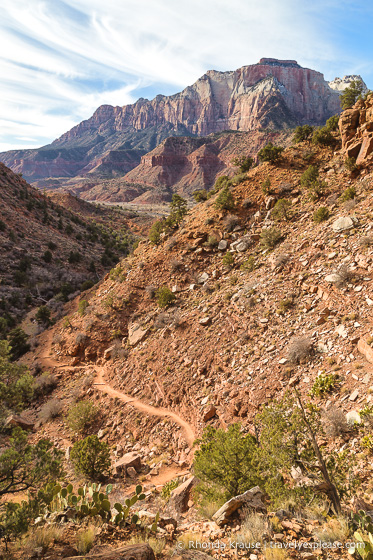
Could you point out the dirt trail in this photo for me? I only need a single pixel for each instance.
(46, 358)
(101, 385)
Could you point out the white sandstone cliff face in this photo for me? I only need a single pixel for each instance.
(340, 84)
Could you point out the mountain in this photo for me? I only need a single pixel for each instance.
(273, 94)
(50, 248)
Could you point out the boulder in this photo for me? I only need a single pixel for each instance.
(109, 352)
(208, 413)
(343, 224)
(136, 333)
(131, 459)
(17, 421)
(180, 496)
(131, 552)
(203, 278)
(353, 417)
(252, 498)
(365, 350)
(223, 244)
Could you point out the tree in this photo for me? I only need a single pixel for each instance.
(352, 93)
(43, 315)
(332, 123)
(287, 432)
(155, 232)
(17, 339)
(91, 457)
(200, 196)
(281, 210)
(225, 200)
(302, 133)
(270, 153)
(323, 136)
(16, 384)
(179, 207)
(25, 466)
(14, 520)
(244, 163)
(226, 459)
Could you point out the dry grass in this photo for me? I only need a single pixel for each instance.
(335, 422)
(50, 410)
(158, 545)
(335, 530)
(275, 554)
(299, 349)
(85, 539)
(255, 528)
(43, 537)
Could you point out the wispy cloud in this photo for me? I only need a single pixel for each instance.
(61, 59)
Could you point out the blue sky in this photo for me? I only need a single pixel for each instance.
(61, 59)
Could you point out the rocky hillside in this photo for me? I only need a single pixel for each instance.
(49, 248)
(272, 94)
(262, 289)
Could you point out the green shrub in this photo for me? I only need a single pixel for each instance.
(324, 384)
(350, 164)
(321, 214)
(91, 457)
(323, 137)
(168, 487)
(367, 442)
(332, 123)
(165, 297)
(225, 200)
(270, 153)
(351, 94)
(179, 208)
(43, 315)
(220, 183)
(281, 210)
(270, 237)
(16, 384)
(244, 163)
(82, 307)
(82, 416)
(228, 259)
(310, 176)
(47, 257)
(225, 462)
(17, 339)
(348, 194)
(2, 225)
(212, 242)
(303, 133)
(200, 196)
(266, 186)
(74, 257)
(87, 285)
(155, 232)
(249, 265)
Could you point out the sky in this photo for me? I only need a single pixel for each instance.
(61, 59)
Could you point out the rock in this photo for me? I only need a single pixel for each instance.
(136, 333)
(343, 224)
(253, 498)
(131, 552)
(180, 496)
(365, 350)
(68, 551)
(242, 246)
(17, 421)
(131, 459)
(131, 472)
(353, 417)
(223, 244)
(354, 395)
(108, 352)
(208, 413)
(203, 278)
(333, 278)
(205, 321)
(341, 330)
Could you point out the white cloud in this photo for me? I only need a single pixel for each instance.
(62, 59)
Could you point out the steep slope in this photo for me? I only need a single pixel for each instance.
(271, 94)
(46, 251)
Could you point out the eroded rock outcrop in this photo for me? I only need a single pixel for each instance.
(356, 127)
